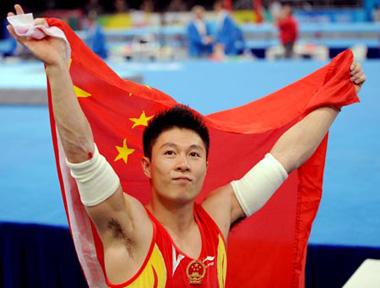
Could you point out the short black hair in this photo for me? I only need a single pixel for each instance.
(179, 116)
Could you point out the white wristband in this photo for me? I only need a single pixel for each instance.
(256, 187)
(95, 178)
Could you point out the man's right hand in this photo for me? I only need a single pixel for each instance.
(50, 50)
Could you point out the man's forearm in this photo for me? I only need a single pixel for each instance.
(73, 127)
(297, 144)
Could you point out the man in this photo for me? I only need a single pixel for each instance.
(288, 28)
(95, 37)
(172, 242)
(199, 34)
(228, 34)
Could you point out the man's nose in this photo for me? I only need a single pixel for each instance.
(182, 163)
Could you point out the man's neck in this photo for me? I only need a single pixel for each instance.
(179, 222)
(176, 218)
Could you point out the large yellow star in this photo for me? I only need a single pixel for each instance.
(124, 152)
(78, 91)
(142, 121)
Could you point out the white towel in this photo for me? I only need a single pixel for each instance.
(23, 25)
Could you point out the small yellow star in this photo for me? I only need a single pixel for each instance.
(142, 121)
(124, 152)
(80, 92)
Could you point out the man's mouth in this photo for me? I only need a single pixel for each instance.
(182, 179)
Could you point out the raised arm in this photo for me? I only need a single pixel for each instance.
(247, 195)
(291, 150)
(72, 125)
(121, 221)
(297, 144)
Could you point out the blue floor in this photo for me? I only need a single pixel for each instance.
(349, 213)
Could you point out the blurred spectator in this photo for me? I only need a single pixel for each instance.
(142, 17)
(177, 6)
(288, 28)
(199, 34)
(376, 11)
(120, 6)
(93, 5)
(229, 36)
(8, 45)
(147, 6)
(275, 9)
(9, 48)
(3, 29)
(95, 37)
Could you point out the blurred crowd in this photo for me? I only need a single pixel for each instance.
(216, 38)
(211, 29)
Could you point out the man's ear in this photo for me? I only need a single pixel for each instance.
(145, 163)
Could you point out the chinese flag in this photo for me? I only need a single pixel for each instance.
(266, 250)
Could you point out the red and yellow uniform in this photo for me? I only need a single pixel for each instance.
(167, 266)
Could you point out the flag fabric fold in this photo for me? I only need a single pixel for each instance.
(267, 249)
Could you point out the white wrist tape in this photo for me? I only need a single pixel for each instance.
(255, 188)
(95, 178)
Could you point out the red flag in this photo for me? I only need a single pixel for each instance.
(265, 250)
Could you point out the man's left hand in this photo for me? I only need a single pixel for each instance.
(357, 75)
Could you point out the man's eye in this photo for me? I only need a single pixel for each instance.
(195, 154)
(169, 153)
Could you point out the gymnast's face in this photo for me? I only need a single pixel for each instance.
(178, 165)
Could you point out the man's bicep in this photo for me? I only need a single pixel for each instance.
(109, 211)
(126, 234)
(222, 206)
(112, 212)
(237, 211)
(256, 187)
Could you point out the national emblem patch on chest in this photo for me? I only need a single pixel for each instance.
(196, 271)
